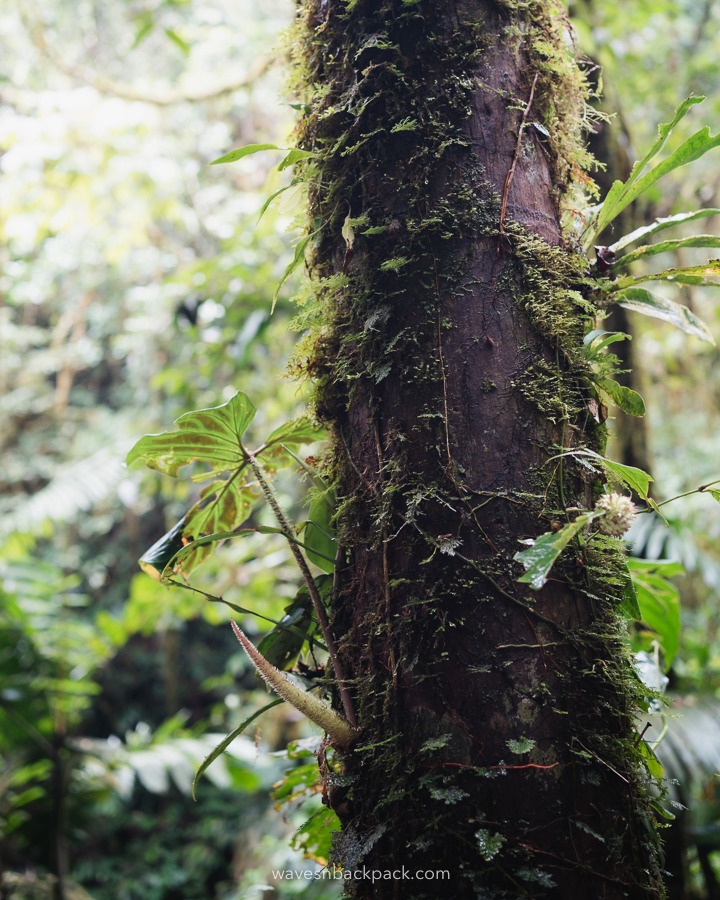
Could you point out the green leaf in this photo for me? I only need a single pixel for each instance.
(297, 431)
(207, 435)
(622, 194)
(281, 646)
(652, 763)
(657, 307)
(714, 492)
(629, 401)
(178, 41)
(241, 152)
(658, 601)
(154, 560)
(319, 536)
(294, 156)
(225, 743)
(299, 257)
(314, 838)
(277, 193)
(696, 240)
(687, 275)
(660, 225)
(596, 341)
(636, 479)
(540, 557)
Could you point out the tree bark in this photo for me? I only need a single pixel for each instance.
(497, 734)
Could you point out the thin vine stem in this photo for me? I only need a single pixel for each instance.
(323, 621)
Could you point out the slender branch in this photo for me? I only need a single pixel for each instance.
(106, 85)
(318, 604)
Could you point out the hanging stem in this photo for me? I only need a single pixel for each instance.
(320, 611)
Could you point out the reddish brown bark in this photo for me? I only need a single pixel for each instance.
(497, 723)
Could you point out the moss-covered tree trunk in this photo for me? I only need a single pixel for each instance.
(497, 737)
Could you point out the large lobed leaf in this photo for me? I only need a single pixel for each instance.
(205, 435)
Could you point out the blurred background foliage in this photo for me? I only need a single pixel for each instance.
(136, 283)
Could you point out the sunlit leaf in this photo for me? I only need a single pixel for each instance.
(295, 155)
(298, 258)
(207, 435)
(241, 152)
(650, 304)
(596, 341)
(540, 557)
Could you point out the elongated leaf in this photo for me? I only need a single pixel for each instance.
(209, 435)
(638, 480)
(659, 601)
(685, 275)
(540, 557)
(225, 743)
(621, 195)
(659, 225)
(320, 533)
(264, 208)
(629, 401)
(241, 152)
(596, 341)
(294, 156)
(697, 240)
(299, 257)
(657, 307)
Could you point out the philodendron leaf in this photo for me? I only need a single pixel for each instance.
(629, 401)
(540, 556)
(660, 225)
(622, 194)
(211, 435)
(649, 304)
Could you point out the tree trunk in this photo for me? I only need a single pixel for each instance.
(497, 734)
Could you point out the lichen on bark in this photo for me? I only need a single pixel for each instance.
(497, 726)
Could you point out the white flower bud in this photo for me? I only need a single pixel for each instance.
(620, 512)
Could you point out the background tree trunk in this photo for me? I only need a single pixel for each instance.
(497, 723)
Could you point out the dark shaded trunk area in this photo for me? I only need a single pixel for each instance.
(497, 723)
